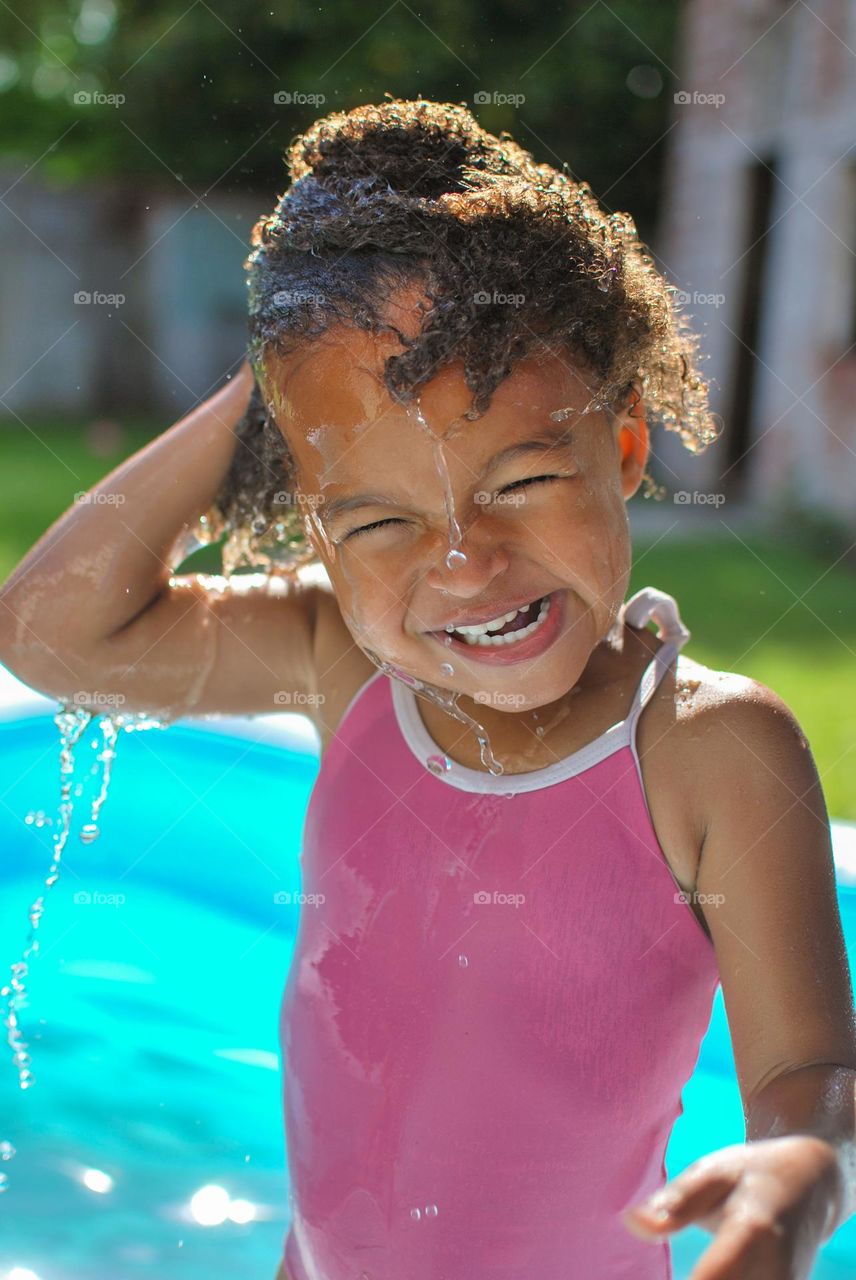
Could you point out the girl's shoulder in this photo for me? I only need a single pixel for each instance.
(705, 732)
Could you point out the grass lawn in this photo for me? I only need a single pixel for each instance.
(775, 612)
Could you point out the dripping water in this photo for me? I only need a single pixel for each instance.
(448, 701)
(455, 556)
(72, 723)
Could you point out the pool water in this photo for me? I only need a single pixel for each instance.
(153, 1006)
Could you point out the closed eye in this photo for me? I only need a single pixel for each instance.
(530, 480)
(379, 524)
(376, 524)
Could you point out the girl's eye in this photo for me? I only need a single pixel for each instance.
(379, 524)
(376, 524)
(529, 480)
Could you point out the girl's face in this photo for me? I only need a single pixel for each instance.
(425, 520)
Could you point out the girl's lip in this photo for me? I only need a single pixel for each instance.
(507, 654)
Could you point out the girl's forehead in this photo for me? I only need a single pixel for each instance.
(332, 393)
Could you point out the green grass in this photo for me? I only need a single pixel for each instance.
(776, 612)
(783, 617)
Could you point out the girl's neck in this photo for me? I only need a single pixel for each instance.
(524, 741)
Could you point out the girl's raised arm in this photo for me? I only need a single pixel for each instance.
(90, 615)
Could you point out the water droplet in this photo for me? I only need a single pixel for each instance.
(439, 764)
(603, 285)
(88, 833)
(463, 961)
(447, 669)
(415, 1214)
(509, 795)
(6, 1151)
(456, 558)
(430, 1211)
(4, 1182)
(540, 730)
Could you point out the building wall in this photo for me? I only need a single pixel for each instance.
(786, 79)
(172, 319)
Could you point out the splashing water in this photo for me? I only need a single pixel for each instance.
(446, 699)
(72, 724)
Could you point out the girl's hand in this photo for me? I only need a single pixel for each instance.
(770, 1205)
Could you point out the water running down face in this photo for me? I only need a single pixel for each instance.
(425, 520)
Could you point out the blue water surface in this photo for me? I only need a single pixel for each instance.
(153, 1009)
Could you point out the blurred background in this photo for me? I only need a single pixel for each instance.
(139, 142)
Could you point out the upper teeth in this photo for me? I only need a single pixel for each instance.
(480, 628)
(481, 633)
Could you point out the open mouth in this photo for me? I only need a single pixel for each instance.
(507, 629)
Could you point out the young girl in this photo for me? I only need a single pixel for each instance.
(541, 834)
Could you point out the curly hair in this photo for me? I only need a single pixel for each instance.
(386, 195)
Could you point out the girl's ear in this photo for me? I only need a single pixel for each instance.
(633, 440)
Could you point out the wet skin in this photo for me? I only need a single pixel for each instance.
(566, 535)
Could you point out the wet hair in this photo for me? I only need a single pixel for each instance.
(514, 258)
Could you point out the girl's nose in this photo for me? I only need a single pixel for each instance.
(473, 566)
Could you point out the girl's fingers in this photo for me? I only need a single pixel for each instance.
(747, 1248)
(696, 1196)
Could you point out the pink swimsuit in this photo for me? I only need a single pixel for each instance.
(491, 1014)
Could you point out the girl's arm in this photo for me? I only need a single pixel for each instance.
(89, 614)
(767, 872)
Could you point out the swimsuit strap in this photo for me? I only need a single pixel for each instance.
(638, 610)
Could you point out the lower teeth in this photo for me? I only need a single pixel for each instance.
(488, 641)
